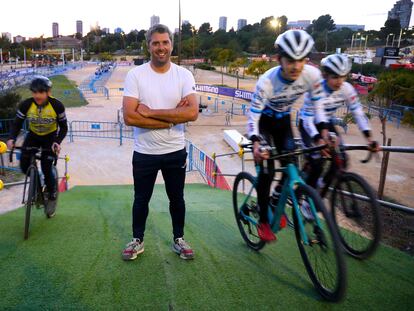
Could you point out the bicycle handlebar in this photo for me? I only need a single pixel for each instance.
(288, 154)
(32, 149)
(400, 149)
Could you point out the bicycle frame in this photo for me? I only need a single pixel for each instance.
(288, 190)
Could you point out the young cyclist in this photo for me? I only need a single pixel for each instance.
(47, 128)
(269, 117)
(338, 93)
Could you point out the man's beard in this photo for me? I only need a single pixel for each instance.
(158, 62)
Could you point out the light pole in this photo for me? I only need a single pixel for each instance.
(386, 41)
(179, 32)
(360, 38)
(366, 41)
(352, 40)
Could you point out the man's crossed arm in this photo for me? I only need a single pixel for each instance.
(140, 115)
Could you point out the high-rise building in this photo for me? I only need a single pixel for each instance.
(7, 35)
(55, 30)
(353, 27)
(241, 23)
(300, 24)
(154, 20)
(79, 27)
(402, 11)
(19, 39)
(223, 23)
(185, 22)
(118, 30)
(106, 30)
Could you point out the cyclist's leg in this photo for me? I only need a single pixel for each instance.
(284, 141)
(266, 172)
(315, 160)
(264, 181)
(332, 168)
(30, 141)
(46, 162)
(145, 170)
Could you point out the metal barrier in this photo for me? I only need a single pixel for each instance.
(206, 166)
(390, 114)
(20, 77)
(233, 106)
(95, 84)
(100, 129)
(94, 129)
(3, 168)
(116, 91)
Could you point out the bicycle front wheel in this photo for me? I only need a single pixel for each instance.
(30, 201)
(246, 210)
(355, 211)
(322, 252)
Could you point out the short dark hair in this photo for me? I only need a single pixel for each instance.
(158, 28)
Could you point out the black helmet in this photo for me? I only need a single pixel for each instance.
(40, 84)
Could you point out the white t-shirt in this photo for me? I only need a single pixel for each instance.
(159, 91)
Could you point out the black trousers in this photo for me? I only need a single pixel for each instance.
(145, 169)
(315, 160)
(278, 133)
(46, 162)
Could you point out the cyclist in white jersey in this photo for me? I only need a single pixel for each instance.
(338, 94)
(269, 115)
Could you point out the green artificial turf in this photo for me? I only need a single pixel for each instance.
(63, 89)
(73, 262)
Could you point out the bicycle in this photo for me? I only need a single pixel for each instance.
(354, 206)
(314, 237)
(34, 183)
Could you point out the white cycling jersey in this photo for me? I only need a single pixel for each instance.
(275, 95)
(346, 96)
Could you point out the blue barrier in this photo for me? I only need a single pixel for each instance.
(98, 129)
(17, 78)
(390, 114)
(95, 84)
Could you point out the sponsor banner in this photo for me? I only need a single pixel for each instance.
(224, 91)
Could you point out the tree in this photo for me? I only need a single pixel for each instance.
(322, 23)
(186, 31)
(8, 104)
(319, 29)
(258, 67)
(4, 42)
(205, 29)
(391, 26)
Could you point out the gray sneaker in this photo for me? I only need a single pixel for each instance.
(133, 249)
(183, 249)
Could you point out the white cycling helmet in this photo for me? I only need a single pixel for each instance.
(337, 64)
(295, 44)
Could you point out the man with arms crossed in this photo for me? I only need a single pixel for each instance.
(159, 97)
